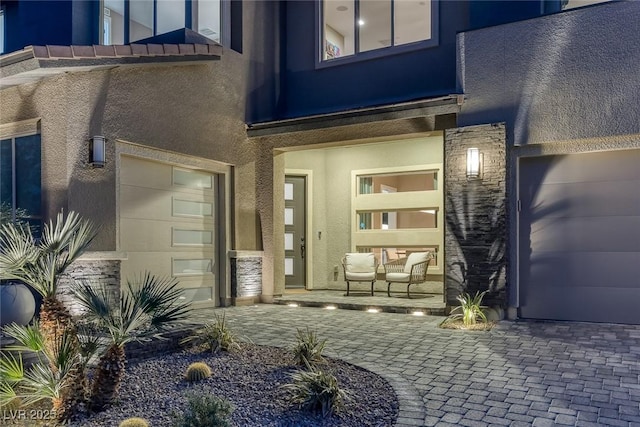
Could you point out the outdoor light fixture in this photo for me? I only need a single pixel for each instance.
(330, 307)
(292, 304)
(97, 151)
(418, 313)
(373, 310)
(474, 163)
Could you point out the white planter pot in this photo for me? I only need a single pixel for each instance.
(17, 304)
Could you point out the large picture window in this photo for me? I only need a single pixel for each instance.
(20, 182)
(129, 21)
(365, 28)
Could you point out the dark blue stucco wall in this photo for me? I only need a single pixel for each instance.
(50, 22)
(424, 73)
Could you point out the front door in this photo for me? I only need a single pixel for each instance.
(294, 232)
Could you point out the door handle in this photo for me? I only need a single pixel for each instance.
(302, 247)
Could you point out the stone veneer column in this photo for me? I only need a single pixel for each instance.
(94, 268)
(476, 226)
(246, 277)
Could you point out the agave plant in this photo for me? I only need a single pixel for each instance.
(470, 309)
(54, 376)
(40, 264)
(316, 390)
(214, 336)
(308, 347)
(147, 306)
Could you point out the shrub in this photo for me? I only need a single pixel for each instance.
(470, 309)
(197, 371)
(134, 422)
(214, 336)
(316, 390)
(308, 348)
(204, 410)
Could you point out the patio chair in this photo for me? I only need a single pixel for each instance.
(408, 270)
(360, 267)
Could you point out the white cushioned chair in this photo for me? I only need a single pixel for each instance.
(360, 267)
(408, 270)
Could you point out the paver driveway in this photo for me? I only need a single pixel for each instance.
(520, 373)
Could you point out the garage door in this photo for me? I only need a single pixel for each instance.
(579, 237)
(167, 225)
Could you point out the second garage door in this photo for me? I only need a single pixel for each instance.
(579, 237)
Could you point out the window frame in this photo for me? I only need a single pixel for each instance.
(12, 132)
(225, 19)
(376, 53)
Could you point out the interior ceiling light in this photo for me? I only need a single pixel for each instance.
(342, 8)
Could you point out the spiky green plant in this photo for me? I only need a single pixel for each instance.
(308, 348)
(148, 305)
(316, 390)
(134, 422)
(470, 309)
(197, 371)
(52, 377)
(204, 410)
(214, 336)
(40, 263)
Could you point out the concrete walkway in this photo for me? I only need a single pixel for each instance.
(518, 374)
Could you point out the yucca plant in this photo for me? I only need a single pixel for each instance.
(308, 348)
(470, 309)
(52, 377)
(214, 336)
(316, 390)
(40, 264)
(148, 305)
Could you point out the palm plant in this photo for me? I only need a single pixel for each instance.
(54, 376)
(147, 306)
(40, 264)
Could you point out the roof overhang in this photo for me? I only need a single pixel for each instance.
(449, 104)
(34, 63)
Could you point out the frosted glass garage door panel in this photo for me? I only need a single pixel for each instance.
(288, 216)
(192, 266)
(288, 266)
(192, 237)
(192, 178)
(192, 208)
(196, 295)
(288, 241)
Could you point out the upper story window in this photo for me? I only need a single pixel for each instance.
(129, 21)
(368, 28)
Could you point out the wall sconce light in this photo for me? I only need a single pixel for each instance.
(97, 151)
(474, 163)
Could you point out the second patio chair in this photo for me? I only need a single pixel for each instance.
(409, 270)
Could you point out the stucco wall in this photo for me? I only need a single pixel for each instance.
(332, 185)
(561, 77)
(564, 83)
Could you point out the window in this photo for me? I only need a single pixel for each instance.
(1, 30)
(20, 182)
(366, 28)
(398, 210)
(571, 4)
(130, 21)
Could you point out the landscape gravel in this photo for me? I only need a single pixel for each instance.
(251, 380)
